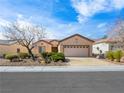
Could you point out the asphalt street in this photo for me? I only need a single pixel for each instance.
(62, 82)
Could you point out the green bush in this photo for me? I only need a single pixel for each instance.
(53, 56)
(23, 55)
(51, 53)
(11, 57)
(44, 54)
(110, 55)
(58, 56)
(117, 55)
(4, 55)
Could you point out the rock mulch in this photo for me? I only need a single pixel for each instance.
(29, 62)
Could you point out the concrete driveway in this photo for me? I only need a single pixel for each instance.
(85, 61)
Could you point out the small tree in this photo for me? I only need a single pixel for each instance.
(117, 33)
(24, 34)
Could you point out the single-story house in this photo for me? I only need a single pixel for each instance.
(73, 46)
(102, 46)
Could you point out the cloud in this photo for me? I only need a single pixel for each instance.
(118, 4)
(88, 8)
(1, 36)
(101, 25)
(3, 22)
(54, 28)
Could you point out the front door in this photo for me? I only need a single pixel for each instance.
(54, 49)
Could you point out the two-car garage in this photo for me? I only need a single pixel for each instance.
(76, 50)
(76, 46)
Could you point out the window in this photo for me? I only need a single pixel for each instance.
(87, 46)
(112, 47)
(42, 49)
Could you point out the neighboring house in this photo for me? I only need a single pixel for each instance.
(74, 46)
(102, 46)
(10, 46)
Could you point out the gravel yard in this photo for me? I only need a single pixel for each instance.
(28, 62)
(72, 61)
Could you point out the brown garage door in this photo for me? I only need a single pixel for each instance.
(76, 50)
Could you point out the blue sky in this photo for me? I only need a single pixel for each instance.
(62, 18)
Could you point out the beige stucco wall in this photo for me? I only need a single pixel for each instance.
(75, 40)
(54, 43)
(48, 47)
(12, 48)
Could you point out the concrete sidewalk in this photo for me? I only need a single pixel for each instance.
(60, 68)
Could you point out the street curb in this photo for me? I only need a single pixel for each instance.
(60, 68)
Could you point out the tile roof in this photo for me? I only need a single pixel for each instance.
(107, 40)
(49, 40)
(79, 36)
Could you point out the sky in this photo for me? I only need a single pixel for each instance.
(62, 18)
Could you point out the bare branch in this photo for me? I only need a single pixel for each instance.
(24, 35)
(117, 33)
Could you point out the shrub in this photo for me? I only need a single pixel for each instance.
(11, 57)
(35, 55)
(109, 55)
(44, 54)
(46, 57)
(58, 56)
(53, 56)
(117, 55)
(23, 55)
(51, 53)
(2, 55)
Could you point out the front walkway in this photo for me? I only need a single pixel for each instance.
(79, 61)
